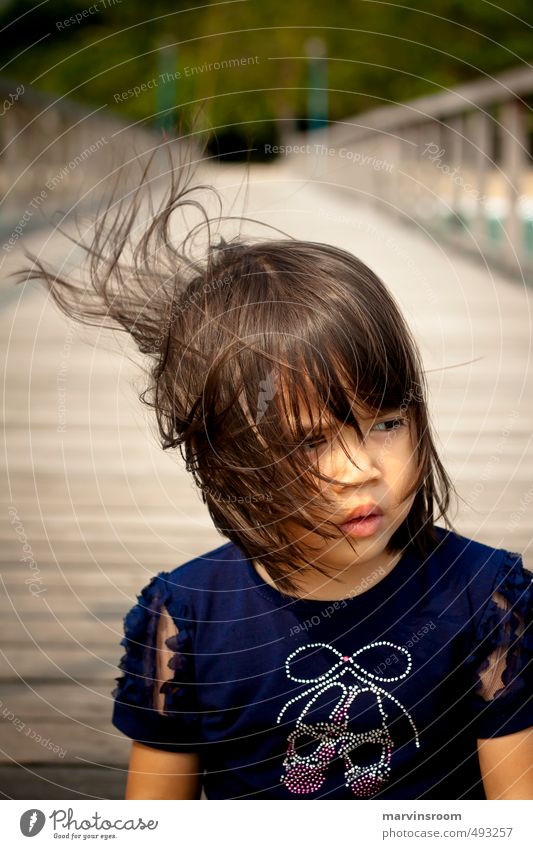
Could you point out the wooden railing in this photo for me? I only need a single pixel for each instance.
(55, 156)
(458, 163)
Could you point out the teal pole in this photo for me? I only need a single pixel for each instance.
(166, 90)
(317, 90)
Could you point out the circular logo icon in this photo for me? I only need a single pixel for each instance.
(31, 822)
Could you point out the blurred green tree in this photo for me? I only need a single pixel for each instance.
(244, 62)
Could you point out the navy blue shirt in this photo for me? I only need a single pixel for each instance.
(379, 695)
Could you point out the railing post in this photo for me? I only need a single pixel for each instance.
(413, 170)
(455, 135)
(390, 177)
(514, 146)
(479, 136)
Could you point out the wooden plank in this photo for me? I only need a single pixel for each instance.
(71, 781)
(31, 700)
(95, 742)
(59, 661)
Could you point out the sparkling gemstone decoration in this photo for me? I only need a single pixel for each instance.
(324, 741)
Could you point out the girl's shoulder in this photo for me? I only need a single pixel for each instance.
(491, 600)
(219, 569)
(463, 550)
(466, 556)
(213, 575)
(460, 570)
(476, 570)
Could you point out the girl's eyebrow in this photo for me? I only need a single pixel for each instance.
(320, 427)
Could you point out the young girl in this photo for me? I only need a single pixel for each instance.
(339, 644)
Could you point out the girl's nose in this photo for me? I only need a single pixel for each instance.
(359, 467)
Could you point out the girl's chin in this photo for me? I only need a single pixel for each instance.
(317, 545)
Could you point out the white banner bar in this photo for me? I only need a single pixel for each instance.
(268, 825)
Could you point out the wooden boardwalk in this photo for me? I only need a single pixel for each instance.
(92, 507)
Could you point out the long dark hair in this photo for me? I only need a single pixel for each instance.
(239, 341)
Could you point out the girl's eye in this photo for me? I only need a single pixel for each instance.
(383, 427)
(311, 444)
(396, 423)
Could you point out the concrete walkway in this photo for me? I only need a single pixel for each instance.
(96, 508)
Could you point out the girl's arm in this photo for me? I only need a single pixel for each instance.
(507, 765)
(157, 774)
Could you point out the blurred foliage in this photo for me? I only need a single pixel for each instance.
(378, 53)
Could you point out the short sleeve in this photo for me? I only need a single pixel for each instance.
(154, 698)
(502, 658)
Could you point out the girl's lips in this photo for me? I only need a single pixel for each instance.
(365, 526)
(363, 510)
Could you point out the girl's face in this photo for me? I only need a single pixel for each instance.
(386, 467)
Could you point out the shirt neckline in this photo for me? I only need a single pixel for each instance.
(385, 586)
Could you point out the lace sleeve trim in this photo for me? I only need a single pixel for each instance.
(157, 664)
(503, 651)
